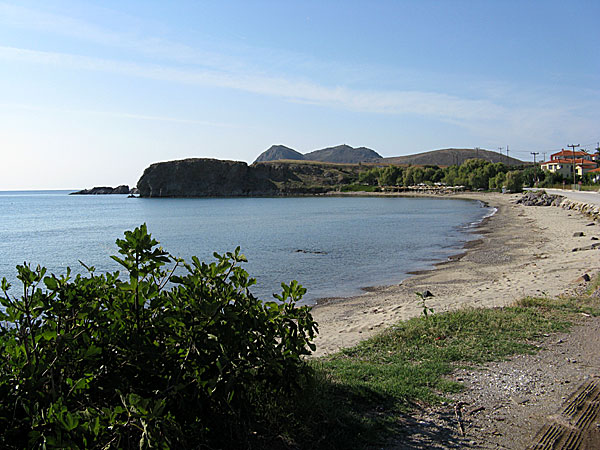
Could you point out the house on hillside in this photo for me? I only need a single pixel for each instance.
(564, 161)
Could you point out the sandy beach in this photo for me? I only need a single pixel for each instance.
(522, 251)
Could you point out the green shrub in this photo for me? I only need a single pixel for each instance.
(514, 181)
(152, 359)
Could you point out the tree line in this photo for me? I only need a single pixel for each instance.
(474, 174)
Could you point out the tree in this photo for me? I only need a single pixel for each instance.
(514, 181)
(389, 175)
(497, 182)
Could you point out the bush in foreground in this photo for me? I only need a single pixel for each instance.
(159, 359)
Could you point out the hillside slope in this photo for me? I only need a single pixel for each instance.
(450, 156)
(343, 154)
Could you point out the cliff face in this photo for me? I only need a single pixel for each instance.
(199, 177)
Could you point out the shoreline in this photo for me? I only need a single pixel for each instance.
(522, 251)
(474, 228)
(432, 263)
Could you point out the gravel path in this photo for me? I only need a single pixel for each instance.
(506, 404)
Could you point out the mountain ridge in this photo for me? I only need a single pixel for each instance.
(346, 154)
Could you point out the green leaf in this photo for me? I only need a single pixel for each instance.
(49, 335)
(51, 283)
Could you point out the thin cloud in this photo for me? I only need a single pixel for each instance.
(383, 102)
(122, 115)
(58, 24)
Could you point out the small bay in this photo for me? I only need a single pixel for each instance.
(331, 245)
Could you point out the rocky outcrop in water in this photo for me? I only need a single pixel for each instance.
(106, 190)
(201, 177)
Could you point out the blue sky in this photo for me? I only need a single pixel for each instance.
(92, 93)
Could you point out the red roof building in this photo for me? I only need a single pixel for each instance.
(564, 161)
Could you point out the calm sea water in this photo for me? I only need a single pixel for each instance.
(346, 242)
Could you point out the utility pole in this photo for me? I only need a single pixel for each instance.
(544, 153)
(573, 146)
(476, 152)
(534, 167)
(507, 162)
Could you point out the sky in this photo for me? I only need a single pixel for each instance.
(92, 93)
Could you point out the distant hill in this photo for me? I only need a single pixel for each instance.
(277, 152)
(343, 154)
(450, 156)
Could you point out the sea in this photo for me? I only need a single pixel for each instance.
(333, 246)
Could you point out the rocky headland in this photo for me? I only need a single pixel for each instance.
(202, 177)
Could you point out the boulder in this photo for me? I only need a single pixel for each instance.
(539, 198)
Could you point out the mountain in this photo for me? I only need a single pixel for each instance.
(343, 154)
(276, 152)
(450, 156)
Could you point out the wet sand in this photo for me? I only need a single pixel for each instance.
(523, 251)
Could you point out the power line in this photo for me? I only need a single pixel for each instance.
(573, 146)
(534, 167)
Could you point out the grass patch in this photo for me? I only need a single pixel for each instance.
(360, 392)
(591, 188)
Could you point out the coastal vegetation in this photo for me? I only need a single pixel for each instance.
(158, 358)
(475, 174)
(181, 355)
